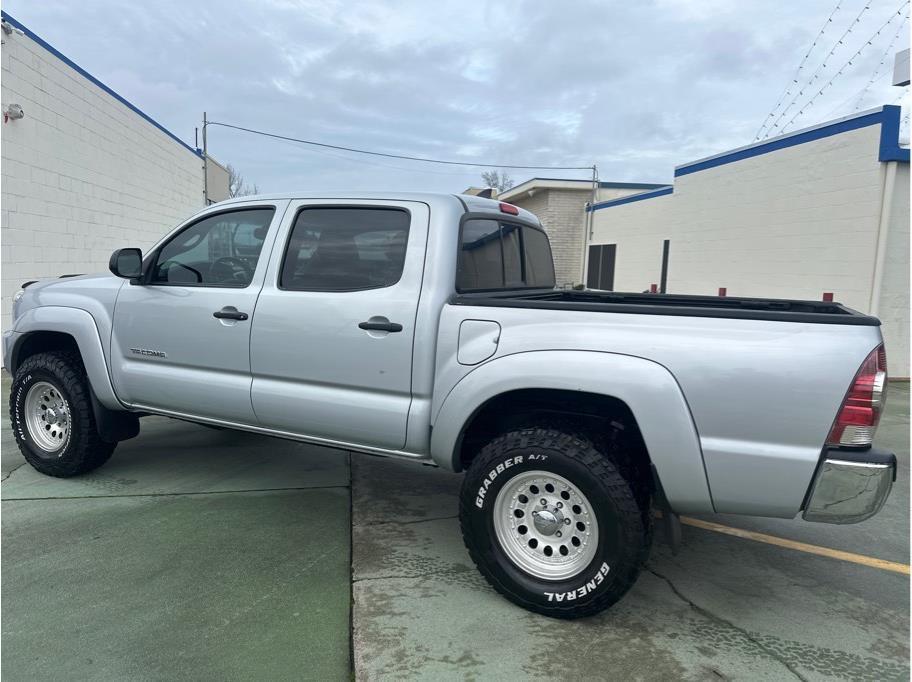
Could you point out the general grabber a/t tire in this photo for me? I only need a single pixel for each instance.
(51, 415)
(555, 523)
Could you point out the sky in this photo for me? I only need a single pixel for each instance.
(633, 87)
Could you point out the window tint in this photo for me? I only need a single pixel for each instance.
(345, 249)
(481, 257)
(537, 258)
(502, 255)
(221, 250)
(513, 276)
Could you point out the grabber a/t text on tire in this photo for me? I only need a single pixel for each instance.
(51, 415)
(555, 523)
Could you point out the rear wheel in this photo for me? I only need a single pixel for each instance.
(555, 523)
(52, 419)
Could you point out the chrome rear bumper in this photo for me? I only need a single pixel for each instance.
(850, 486)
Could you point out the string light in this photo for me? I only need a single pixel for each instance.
(883, 60)
(807, 105)
(821, 67)
(852, 97)
(794, 81)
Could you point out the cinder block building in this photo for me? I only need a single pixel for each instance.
(84, 171)
(560, 204)
(820, 210)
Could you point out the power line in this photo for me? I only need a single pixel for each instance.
(393, 156)
(787, 90)
(810, 102)
(822, 66)
(378, 164)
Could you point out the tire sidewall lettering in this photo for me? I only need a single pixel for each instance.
(589, 586)
(584, 586)
(482, 495)
(20, 390)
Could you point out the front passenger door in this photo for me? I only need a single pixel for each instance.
(181, 338)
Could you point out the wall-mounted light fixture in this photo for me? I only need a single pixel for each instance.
(9, 29)
(13, 112)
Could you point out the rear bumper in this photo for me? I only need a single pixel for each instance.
(850, 486)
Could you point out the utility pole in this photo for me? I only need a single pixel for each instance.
(205, 164)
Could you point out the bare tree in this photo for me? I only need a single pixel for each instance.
(497, 179)
(237, 186)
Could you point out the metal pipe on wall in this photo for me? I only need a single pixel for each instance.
(883, 231)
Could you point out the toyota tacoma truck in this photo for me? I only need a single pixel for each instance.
(428, 327)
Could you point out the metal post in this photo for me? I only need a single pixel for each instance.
(589, 225)
(663, 278)
(594, 199)
(205, 164)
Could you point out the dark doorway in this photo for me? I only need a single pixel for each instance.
(601, 267)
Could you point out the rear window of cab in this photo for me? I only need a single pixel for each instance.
(498, 254)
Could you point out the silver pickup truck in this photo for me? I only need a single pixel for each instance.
(427, 327)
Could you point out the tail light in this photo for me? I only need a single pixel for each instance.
(508, 208)
(857, 419)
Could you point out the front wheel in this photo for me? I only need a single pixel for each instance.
(553, 522)
(52, 419)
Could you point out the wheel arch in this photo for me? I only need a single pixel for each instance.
(642, 391)
(50, 328)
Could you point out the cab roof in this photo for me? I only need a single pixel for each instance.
(470, 203)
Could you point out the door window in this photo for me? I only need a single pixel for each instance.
(345, 249)
(221, 250)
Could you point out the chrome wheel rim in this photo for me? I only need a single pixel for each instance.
(545, 525)
(47, 417)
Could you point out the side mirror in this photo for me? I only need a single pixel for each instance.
(126, 263)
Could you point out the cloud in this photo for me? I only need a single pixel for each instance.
(634, 87)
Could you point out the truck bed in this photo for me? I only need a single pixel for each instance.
(781, 310)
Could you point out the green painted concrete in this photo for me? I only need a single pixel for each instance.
(192, 554)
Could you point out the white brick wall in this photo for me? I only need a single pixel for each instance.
(792, 223)
(82, 174)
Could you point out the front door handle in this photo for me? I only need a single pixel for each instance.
(229, 312)
(381, 326)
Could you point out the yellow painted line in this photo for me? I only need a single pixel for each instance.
(882, 564)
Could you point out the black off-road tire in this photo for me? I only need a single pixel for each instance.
(84, 449)
(619, 498)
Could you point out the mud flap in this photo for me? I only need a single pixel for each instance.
(113, 425)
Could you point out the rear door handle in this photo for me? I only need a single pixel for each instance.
(381, 326)
(229, 313)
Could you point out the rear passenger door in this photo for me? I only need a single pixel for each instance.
(331, 345)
